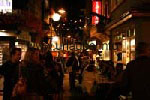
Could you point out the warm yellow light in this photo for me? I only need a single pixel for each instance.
(97, 7)
(85, 25)
(55, 39)
(69, 36)
(61, 11)
(132, 42)
(6, 34)
(16, 43)
(56, 17)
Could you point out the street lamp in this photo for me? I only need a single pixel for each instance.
(56, 17)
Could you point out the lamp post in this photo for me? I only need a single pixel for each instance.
(55, 17)
(63, 14)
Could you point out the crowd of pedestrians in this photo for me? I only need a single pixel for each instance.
(44, 75)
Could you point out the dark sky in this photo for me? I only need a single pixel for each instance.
(72, 7)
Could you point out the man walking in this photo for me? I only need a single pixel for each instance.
(10, 72)
(73, 64)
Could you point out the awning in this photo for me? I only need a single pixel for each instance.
(125, 17)
(101, 36)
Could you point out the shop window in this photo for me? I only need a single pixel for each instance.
(4, 52)
(132, 43)
(124, 46)
(23, 49)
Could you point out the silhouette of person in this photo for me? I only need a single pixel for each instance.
(10, 71)
(73, 63)
(136, 76)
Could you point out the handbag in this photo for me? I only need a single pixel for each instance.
(20, 87)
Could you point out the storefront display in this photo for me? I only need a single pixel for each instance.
(4, 51)
(23, 49)
(124, 47)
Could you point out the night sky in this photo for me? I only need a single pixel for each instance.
(72, 7)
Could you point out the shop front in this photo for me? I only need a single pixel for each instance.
(123, 41)
(7, 41)
(125, 33)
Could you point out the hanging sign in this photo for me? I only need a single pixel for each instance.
(96, 8)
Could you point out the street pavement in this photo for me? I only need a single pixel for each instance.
(76, 94)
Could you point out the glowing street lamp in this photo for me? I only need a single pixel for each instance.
(56, 17)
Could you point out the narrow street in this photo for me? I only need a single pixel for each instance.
(72, 95)
(78, 94)
(66, 93)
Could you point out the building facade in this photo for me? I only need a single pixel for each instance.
(20, 25)
(130, 20)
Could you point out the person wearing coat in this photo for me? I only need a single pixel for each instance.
(34, 74)
(10, 72)
(73, 64)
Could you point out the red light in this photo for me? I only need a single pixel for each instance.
(96, 7)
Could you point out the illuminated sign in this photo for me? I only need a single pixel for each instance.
(92, 42)
(96, 7)
(5, 6)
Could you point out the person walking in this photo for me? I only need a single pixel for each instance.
(10, 72)
(34, 74)
(72, 64)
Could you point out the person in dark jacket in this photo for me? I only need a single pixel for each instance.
(135, 78)
(10, 72)
(34, 74)
(73, 63)
(136, 75)
(50, 76)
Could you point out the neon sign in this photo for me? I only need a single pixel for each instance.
(96, 7)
